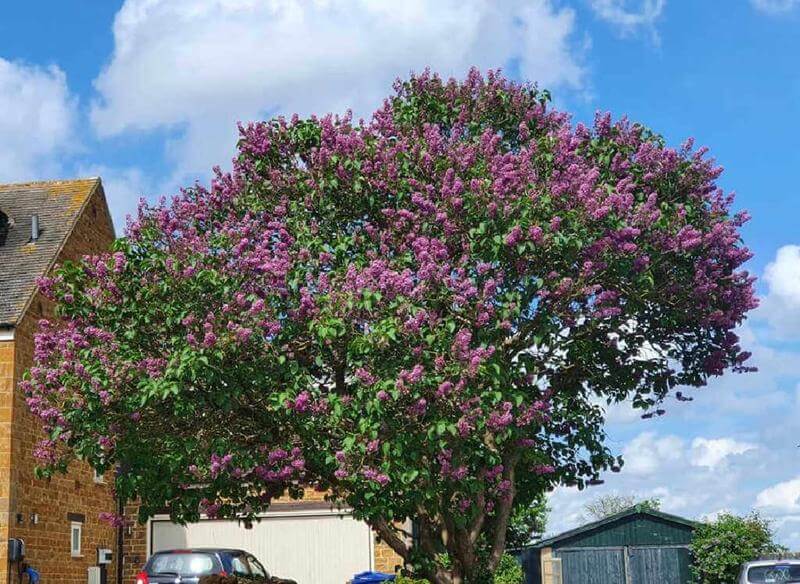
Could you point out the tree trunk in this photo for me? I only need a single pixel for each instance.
(441, 533)
(503, 514)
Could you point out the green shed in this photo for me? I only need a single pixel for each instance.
(636, 546)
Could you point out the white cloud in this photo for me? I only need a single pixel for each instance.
(763, 394)
(775, 6)
(710, 452)
(622, 413)
(781, 306)
(783, 275)
(694, 477)
(567, 504)
(628, 16)
(714, 515)
(619, 412)
(124, 187)
(782, 497)
(647, 453)
(37, 120)
(195, 68)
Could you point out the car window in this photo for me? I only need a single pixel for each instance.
(183, 564)
(774, 573)
(239, 566)
(257, 569)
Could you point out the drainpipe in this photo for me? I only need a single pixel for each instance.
(120, 540)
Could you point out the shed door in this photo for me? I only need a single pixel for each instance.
(323, 548)
(592, 565)
(659, 565)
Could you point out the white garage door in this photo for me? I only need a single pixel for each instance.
(319, 547)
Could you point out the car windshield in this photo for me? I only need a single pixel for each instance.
(774, 573)
(182, 563)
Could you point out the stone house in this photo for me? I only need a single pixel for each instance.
(42, 225)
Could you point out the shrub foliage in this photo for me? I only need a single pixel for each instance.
(719, 548)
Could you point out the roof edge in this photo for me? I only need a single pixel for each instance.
(39, 183)
(109, 216)
(96, 183)
(635, 510)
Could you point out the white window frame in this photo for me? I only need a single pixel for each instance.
(73, 527)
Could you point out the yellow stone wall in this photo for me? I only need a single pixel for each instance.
(6, 400)
(21, 493)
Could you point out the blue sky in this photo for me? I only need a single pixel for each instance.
(146, 94)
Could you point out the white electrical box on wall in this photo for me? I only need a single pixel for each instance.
(93, 575)
(104, 555)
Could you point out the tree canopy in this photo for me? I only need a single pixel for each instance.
(611, 504)
(415, 313)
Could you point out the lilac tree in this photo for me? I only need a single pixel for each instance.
(417, 314)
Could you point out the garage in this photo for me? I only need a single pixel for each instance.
(307, 542)
(637, 546)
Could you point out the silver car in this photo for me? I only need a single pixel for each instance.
(780, 571)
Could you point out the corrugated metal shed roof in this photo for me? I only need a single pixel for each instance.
(58, 205)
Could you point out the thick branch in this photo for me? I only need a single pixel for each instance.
(477, 525)
(438, 575)
(503, 513)
(426, 541)
(390, 537)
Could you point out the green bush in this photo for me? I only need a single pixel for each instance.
(409, 580)
(508, 572)
(722, 546)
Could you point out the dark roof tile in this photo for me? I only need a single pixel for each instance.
(58, 205)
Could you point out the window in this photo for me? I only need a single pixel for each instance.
(5, 225)
(774, 573)
(259, 573)
(181, 563)
(239, 566)
(76, 531)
